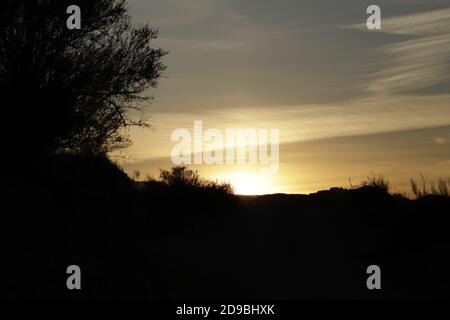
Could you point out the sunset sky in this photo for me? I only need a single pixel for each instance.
(346, 100)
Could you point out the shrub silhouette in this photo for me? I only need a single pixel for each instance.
(182, 177)
(73, 89)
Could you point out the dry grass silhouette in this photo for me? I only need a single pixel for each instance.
(422, 188)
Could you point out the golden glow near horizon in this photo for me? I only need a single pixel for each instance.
(249, 182)
(309, 166)
(347, 102)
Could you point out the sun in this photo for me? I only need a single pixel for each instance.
(251, 183)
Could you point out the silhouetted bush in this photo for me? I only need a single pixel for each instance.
(182, 177)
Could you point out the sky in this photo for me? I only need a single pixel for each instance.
(348, 102)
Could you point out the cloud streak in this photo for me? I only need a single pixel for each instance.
(418, 63)
(305, 122)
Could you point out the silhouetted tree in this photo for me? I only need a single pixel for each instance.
(75, 90)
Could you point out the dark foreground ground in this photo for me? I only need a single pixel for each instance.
(166, 243)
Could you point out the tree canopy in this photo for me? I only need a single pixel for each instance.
(76, 90)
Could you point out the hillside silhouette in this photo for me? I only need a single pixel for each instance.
(154, 240)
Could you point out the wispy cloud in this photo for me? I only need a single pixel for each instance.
(417, 63)
(435, 22)
(303, 122)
